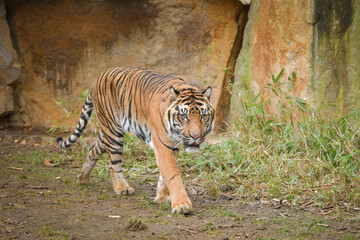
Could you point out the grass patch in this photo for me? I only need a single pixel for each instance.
(103, 196)
(296, 153)
(135, 224)
(208, 227)
(164, 206)
(231, 214)
(7, 207)
(49, 232)
(349, 237)
(312, 160)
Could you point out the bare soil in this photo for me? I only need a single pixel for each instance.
(46, 202)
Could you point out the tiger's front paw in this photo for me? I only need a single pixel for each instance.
(182, 206)
(124, 190)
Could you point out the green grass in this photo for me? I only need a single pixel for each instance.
(309, 161)
(231, 214)
(208, 227)
(135, 224)
(297, 153)
(47, 232)
(312, 160)
(349, 237)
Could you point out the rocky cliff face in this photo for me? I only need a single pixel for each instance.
(65, 45)
(319, 40)
(56, 49)
(9, 68)
(335, 54)
(278, 35)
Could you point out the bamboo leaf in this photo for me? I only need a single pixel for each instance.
(254, 99)
(300, 100)
(274, 91)
(279, 75)
(301, 105)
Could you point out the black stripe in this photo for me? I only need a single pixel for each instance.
(116, 162)
(171, 148)
(115, 152)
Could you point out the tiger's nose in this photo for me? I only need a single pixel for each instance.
(194, 136)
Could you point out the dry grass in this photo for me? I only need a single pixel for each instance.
(135, 224)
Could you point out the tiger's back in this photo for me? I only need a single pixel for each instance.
(123, 97)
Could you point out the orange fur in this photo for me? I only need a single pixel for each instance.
(164, 111)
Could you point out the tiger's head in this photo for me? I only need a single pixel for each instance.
(190, 116)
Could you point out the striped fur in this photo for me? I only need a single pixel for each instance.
(84, 118)
(163, 111)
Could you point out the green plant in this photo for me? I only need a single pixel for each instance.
(312, 160)
(213, 52)
(48, 231)
(72, 110)
(208, 227)
(309, 160)
(135, 224)
(286, 101)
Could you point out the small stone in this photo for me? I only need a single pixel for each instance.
(224, 188)
(224, 197)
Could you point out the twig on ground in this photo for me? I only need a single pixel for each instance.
(15, 168)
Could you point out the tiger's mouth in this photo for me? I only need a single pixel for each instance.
(194, 144)
(191, 147)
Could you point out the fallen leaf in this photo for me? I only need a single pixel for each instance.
(47, 163)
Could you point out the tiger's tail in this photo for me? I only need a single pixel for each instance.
(84, 118)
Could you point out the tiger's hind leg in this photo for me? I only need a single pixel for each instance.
(96, 150)
(162, 192)
(114, 146)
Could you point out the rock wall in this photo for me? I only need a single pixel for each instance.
(223, 113)
(64, 45)
(336, 54)
(278, 35)
(317, 39)
(56, 49)
(9, 68)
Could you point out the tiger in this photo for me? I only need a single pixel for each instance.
(163, 111)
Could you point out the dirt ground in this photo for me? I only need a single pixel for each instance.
(46, 202)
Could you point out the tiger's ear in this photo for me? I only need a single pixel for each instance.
(207, 92)
(174, 93)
